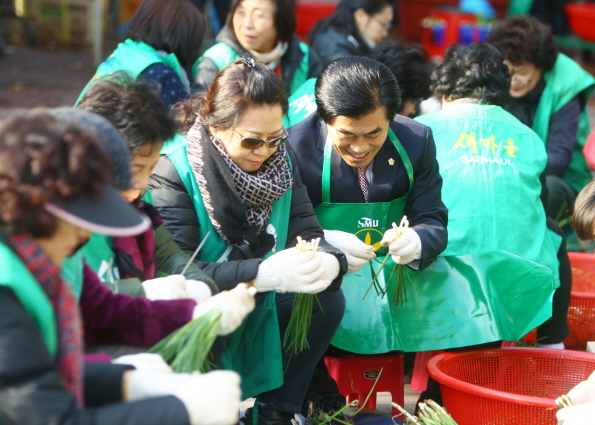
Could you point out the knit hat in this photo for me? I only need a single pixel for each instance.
(107, 135)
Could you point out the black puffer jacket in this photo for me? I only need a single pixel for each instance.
(177, 210)
(207, 70)
(334, 44)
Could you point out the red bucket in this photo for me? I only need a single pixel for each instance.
(581, 312)
(508, 386)
(581, 18)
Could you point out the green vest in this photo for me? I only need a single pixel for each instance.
(254, 349)
(565, 81)
(17, 277)
(302, 103)
(134, 57)
(519, 7)
(222, 55)
(487, 154)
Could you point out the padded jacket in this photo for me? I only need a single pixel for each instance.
(177, 210)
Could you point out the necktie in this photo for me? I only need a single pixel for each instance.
(363, 182)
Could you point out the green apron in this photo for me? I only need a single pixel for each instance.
(254, 349)
(134, 57)
(302, 103)
(17, 277)
(562, 83)
(222, 55)
(368, 221)
(456, 301)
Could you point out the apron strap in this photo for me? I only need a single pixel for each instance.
(326, 165)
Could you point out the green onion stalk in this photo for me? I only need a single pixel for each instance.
(349, 410)
(296, 334)
(187, 349)
(399, 275)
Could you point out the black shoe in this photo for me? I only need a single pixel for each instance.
(269, 416)
(325, 405)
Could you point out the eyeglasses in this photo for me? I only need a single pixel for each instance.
(255, 143)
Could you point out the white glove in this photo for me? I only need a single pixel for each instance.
(197, 290)
(405, 248)
(145, 361)
(331, 266)
(582, 414)
(292, 271)
(356, 252)
(583, 392)
(212, 398)
(234, 305)
(146, 384)
(165, 288)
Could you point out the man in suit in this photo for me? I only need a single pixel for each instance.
(357, 102)
(366, 167)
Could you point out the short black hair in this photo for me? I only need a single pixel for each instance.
(134, 107)
(475, 71)
(174, 26)
(524, 38)
(285, 20)
(410, 66)
(355, 86)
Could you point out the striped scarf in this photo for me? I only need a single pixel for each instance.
(69, 356)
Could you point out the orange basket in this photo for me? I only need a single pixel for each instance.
(508, 386)
(581, 18)
(581, 312)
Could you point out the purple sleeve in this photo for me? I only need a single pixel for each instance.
(110, 318)
(562, 137)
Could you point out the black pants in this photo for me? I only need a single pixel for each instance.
(555, 329)
(299, 369)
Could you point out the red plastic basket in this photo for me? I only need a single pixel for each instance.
(581, 18)
(507, 386)
(581, 312)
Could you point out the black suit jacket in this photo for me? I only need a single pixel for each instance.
(425, 211)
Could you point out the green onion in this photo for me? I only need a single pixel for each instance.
(186, 350)
(323, 418)
(296, 334)
(400, 274)
(430, 413)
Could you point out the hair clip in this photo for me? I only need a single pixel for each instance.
(249, 63)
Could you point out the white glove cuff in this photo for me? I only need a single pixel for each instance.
(264, 281)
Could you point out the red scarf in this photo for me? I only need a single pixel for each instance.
(135, 255)
(69, 355)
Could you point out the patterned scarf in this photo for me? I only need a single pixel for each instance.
(135, 255)
(69, 356)
(238, 196)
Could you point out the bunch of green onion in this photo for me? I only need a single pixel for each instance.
(187, 349)
(296, 334)
(430, 413)
(400, 273)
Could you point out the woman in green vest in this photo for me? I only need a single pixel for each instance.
(549, 93)
(263, 30)
(497, 163)
(55, 191)
(234, 185)
(162, 40)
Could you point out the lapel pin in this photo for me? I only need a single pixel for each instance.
(391, 162)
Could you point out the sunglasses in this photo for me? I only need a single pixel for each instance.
(255, 143)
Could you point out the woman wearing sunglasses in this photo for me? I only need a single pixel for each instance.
(233, 184)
